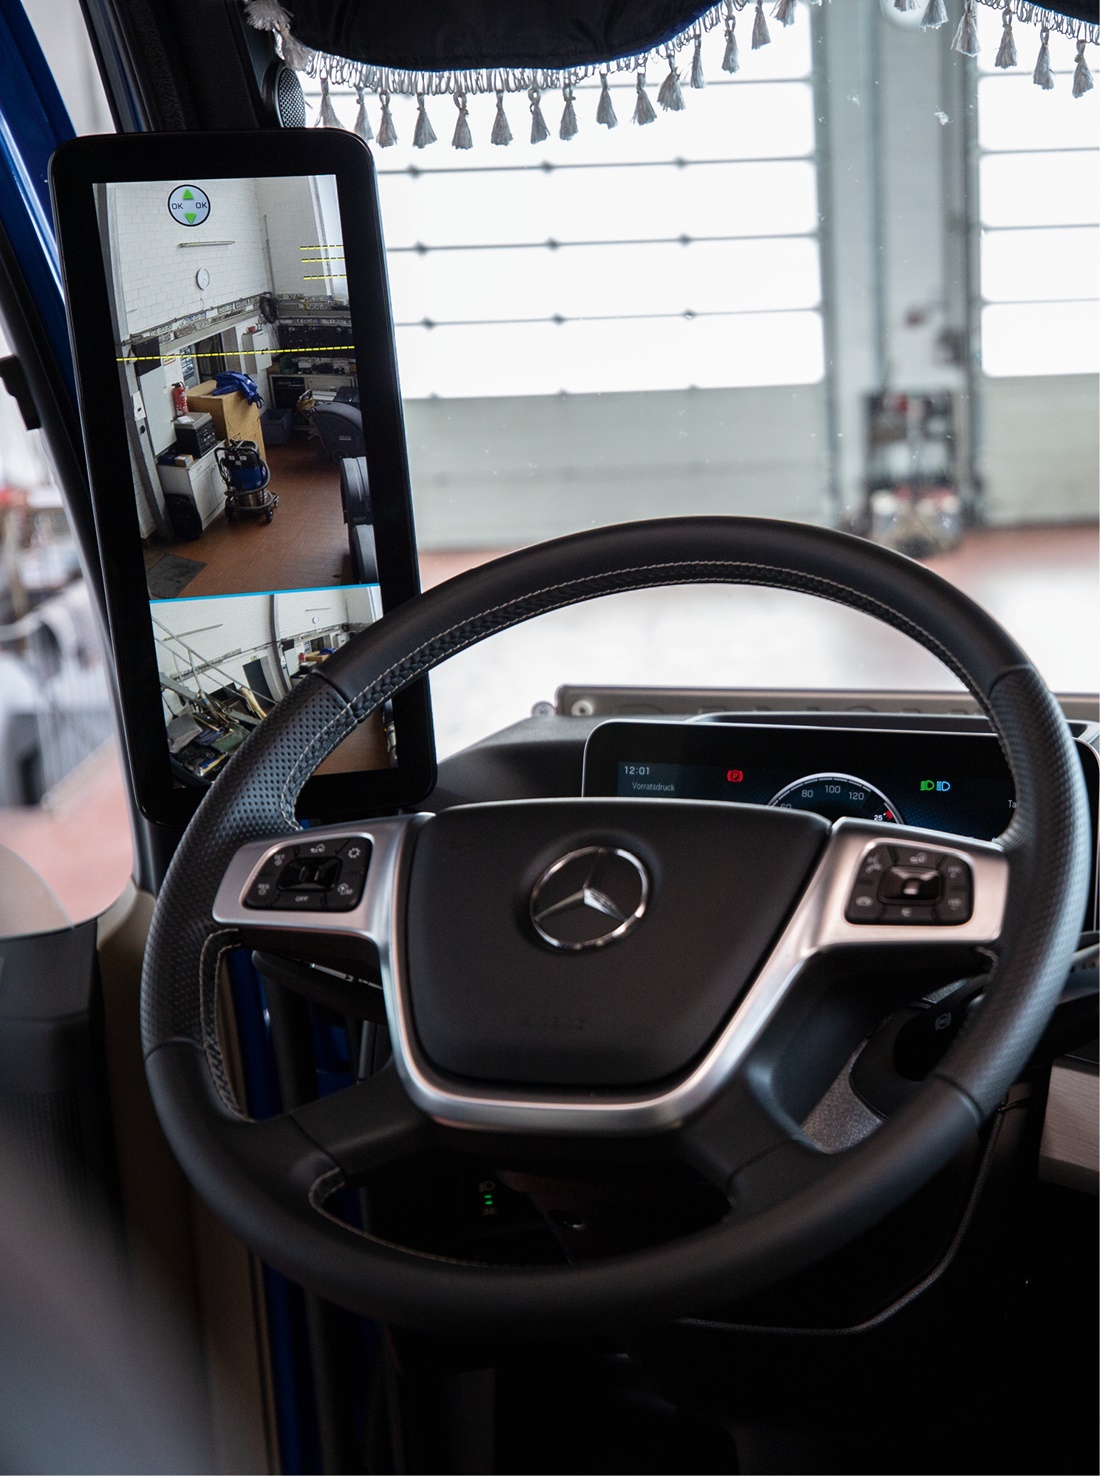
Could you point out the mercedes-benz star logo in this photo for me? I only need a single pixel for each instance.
(589, 898)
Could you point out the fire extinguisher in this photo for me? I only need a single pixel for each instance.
(179, 400)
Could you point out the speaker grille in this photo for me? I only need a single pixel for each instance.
(290, 102)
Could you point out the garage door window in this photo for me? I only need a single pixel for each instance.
(657, 257)
(1039, 212)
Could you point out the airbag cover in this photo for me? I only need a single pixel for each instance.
(492, 1001)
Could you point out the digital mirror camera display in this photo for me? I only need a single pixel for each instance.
(251, 345)
(237, 363)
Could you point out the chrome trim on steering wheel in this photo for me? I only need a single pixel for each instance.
(817, 925)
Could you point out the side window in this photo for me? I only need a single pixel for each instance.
(62, 802)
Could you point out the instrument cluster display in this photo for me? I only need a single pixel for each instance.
(954, 782)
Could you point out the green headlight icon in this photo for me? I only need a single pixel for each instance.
(940, 785)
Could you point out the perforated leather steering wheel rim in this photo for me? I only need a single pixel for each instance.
(1047, 845)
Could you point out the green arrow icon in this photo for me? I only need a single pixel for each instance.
(189, 216)
(187, 195)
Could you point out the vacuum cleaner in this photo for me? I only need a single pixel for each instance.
(246, 475)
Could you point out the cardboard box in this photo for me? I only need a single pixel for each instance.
(233, 416)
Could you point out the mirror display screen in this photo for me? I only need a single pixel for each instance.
(238, 372)
(234, 349)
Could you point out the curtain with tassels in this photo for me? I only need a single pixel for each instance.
(543, 48)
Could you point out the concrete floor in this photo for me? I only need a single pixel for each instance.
(1043, 584)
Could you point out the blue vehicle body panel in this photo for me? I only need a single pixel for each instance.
(33, 122)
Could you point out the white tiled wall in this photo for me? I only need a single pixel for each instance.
(294, 233)
(158, 272)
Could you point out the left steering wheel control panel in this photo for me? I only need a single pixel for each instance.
(321, 874)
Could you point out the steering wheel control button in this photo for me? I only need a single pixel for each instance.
(910, 884)
(916, 856)
(589, 898)
(864, 905)
(345, 892)
(875, 864)
(957, 904)
(263, 891)
(908, 913)
(317, 849)
(302, 901)
(345, 895)
(309, 874)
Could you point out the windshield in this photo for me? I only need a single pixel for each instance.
(854, 284)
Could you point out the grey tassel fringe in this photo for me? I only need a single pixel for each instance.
(697, 78)
(362, 122)
(670, 97)
(731, 61)
(387, 133)
(326, 118)
(298, 58)
(1006, 52)
(966, 37)
(462, 138)
(501, 133)
(424, 133)
(1043, 76)
(934, 16)
(643, 109)
(274, 17)
(1082, 77)
(760, 35)
(539, 131)
(266, 15)
(568, 127)
(270, 15)
(605, 110)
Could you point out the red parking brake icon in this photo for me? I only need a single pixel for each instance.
(734, 776)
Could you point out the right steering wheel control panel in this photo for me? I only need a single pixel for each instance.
(911, 885)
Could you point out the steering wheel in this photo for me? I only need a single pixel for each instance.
(582, 980)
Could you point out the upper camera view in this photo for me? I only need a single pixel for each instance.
(235, 351)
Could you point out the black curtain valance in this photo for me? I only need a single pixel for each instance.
(552, 35)
(425, 48)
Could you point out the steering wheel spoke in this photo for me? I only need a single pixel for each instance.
(366, 1126)
(743, 1125)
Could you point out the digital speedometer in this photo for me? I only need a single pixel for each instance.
(834, 795)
